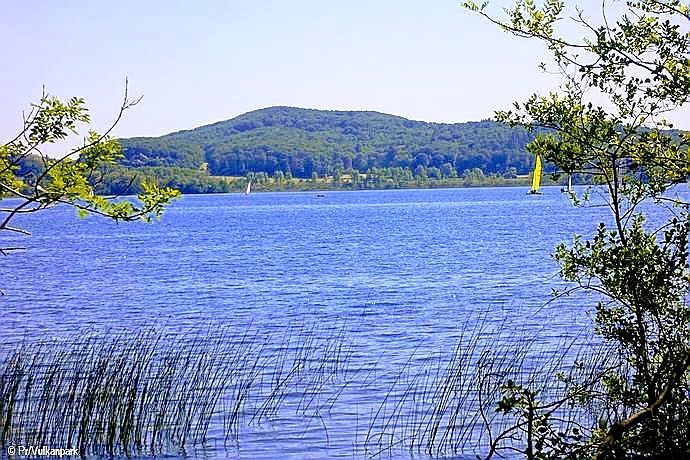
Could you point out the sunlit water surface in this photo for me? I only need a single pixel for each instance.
(400, 272)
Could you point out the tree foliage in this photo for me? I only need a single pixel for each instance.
(621, 74)
(303, 142)
(34, 181)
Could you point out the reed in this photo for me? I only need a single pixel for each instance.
(446, 404)
(151, 393)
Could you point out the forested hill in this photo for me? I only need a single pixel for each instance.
(307, 143)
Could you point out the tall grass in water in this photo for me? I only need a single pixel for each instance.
(446, 404)
(148, 392)
(312, 370)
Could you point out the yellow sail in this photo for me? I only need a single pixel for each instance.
(536, 177)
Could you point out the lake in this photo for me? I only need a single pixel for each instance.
(399, 276)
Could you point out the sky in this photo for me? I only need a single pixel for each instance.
(200, 62)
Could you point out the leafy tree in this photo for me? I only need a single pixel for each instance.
(434, 172)
(510, 173)
(36, 181)
(474, 176)
(448, 170)
(607, 121)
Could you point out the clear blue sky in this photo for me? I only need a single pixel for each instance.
(205, 61)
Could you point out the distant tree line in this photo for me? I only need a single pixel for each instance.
(119, 180)
(283, 148)
(304, 142)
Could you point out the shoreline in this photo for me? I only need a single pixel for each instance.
(310, 187)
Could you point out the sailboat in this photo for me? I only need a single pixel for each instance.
(570, 185)
(536, 178)
(249, 188)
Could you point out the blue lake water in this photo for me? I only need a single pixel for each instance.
(401, 271)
